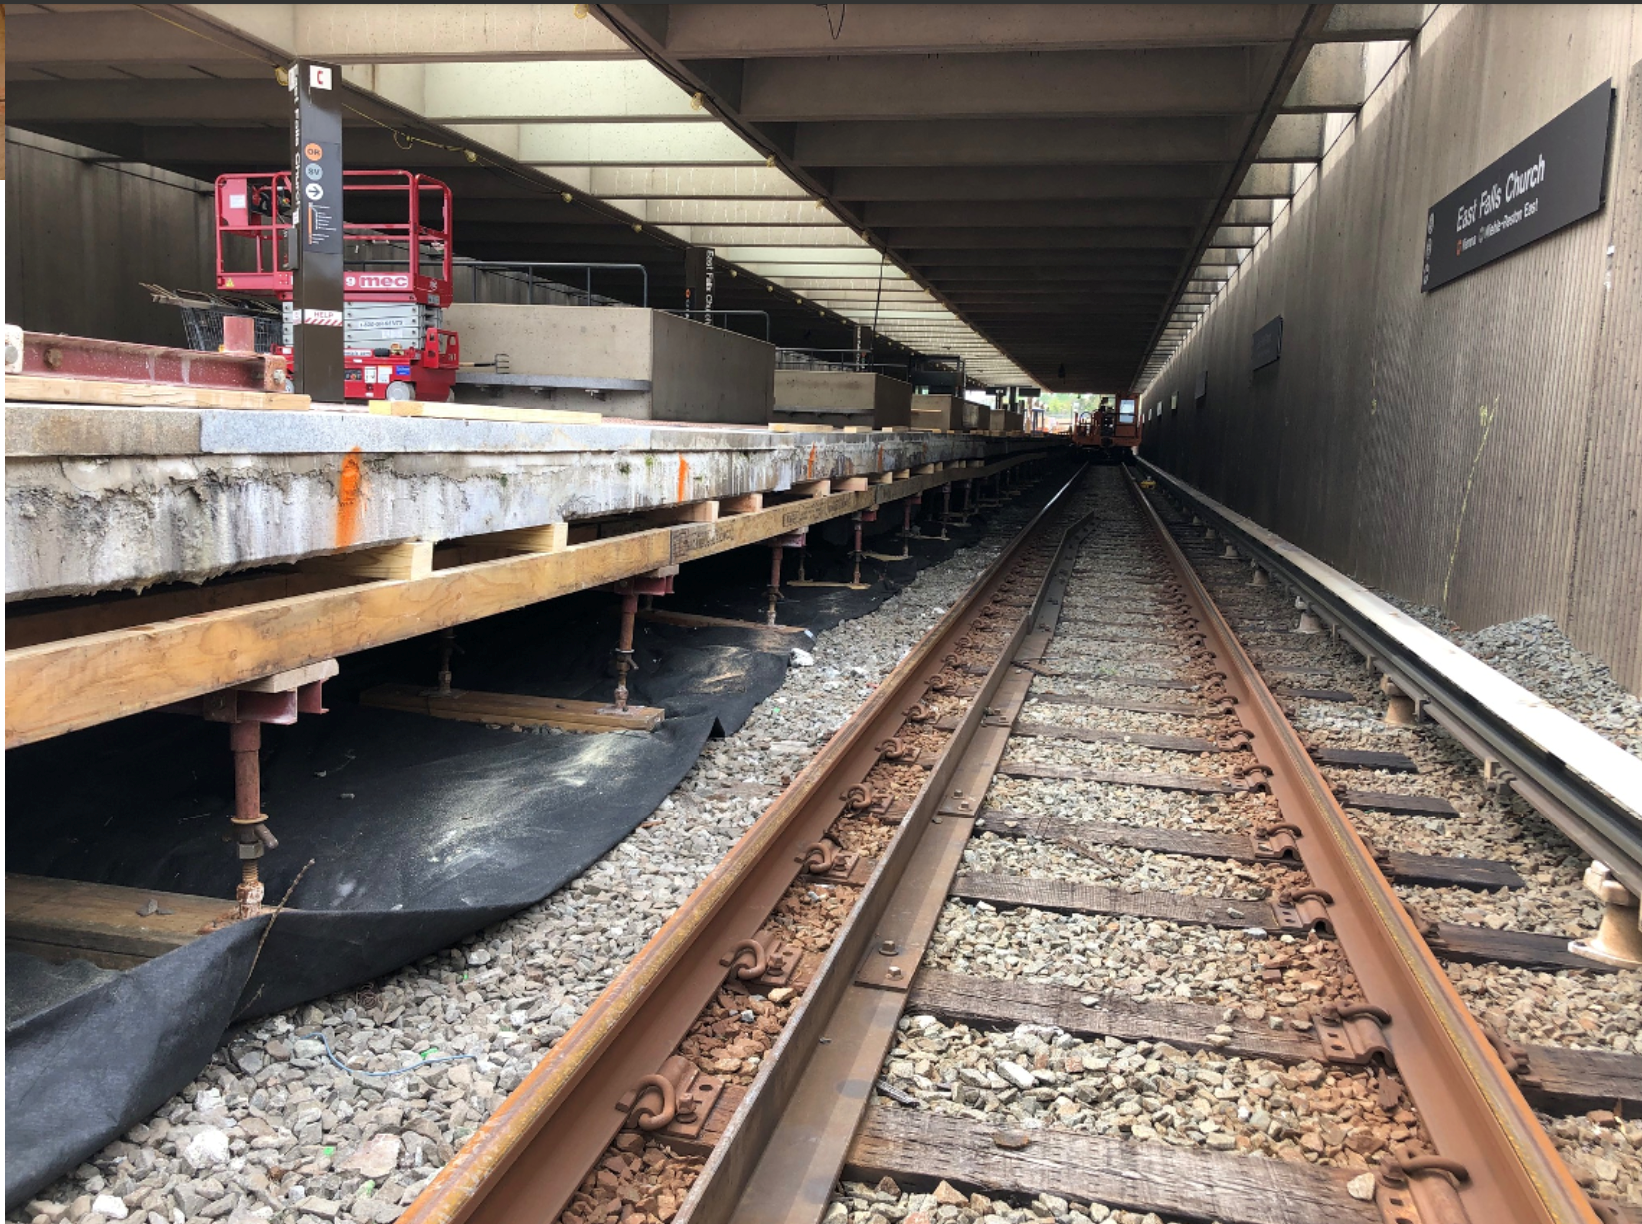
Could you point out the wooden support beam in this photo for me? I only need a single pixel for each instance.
(884, 478)
(747, 503)
(694, 512)
(512, 709)
(59, 920)
(553, 537)
(103, 615)
(850, 484)
(401, 562)
(482, 412)
(55, 687)
(40, 389)
(811, 488)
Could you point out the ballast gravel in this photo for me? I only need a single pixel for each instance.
(273, 1129)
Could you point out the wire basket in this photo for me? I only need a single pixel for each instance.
(203, 325)
(203, 313)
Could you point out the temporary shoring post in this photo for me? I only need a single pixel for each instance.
(316, 243)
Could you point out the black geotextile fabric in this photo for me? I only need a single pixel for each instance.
(416, 831)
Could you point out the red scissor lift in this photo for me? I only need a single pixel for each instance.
(395, 286)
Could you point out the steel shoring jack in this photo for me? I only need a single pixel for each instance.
(624, 647)
(855, 583)
(775, 583)
(249, 820)
(275, 699)
(906, 536)
(657, 582)
(946, 509)
(447, 648)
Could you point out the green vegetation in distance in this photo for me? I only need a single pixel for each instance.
(1063, 404)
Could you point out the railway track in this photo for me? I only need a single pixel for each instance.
(1065, 914)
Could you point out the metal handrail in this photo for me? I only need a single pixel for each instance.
(763, 314)
(530, 265)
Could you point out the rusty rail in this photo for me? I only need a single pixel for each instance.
(1466, 1098)
(526, 1161)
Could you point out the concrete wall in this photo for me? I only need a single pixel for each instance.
(696, 372)
(1479, 447)
(81, 237)
(809, 395)
(704, 373)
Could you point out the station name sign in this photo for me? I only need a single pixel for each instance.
(1550, 180)
(1268, 343)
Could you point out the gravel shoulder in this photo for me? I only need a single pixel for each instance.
(273, 1128)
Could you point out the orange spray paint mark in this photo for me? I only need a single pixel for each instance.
(683, 477)
(809, 468)
(880, 456)
(350, 499)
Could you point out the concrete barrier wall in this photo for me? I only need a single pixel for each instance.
(704, 373)
(695, 372)
(807, 394)
(81, 237)
(1479, 447)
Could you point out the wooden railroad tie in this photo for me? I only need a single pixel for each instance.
(1556, 1077)
(1448, 940)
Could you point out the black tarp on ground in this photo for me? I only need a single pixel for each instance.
(420, 830)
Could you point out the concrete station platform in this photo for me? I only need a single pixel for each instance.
(316, 533)
(110, 498)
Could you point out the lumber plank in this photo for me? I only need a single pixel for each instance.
(62, 919)
(33, 629)
(397, 562)
(1067, 897)
(55, 687)
(923, 1147)
(1398, 805)
(512, 708)
(551, 537)
(481, 412)
(112, 393)
(1118, 777)
(746, 503)
(693, 620)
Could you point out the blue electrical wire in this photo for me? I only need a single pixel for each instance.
(425, 1062)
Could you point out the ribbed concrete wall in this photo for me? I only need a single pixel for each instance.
(82, 237)
(1479, 447)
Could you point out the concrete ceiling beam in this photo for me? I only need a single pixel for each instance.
(990, 143)
(1034, 213)
(1175, 238)
(1250, 212)
(683, 182)
(614, 144)
(1187, 81)
(389, 33)
(751, 30)
(1338, 76)
(1366, 22)
(1272, 180)
(1012, 184)
(1236, 235)
(1294, 138)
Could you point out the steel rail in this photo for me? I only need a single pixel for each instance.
(1467, 1101)
(1604, 820)
(527, 1160)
